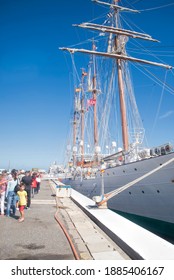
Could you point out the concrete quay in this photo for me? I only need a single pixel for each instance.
(90, 241)
(137, 242)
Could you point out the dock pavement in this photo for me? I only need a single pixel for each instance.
(40, 236)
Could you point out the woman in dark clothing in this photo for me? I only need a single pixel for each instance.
(27, 180)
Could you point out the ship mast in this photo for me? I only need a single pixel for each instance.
(74, 130)
(79, 108)
(121, 92)
(82, 116)
(122, 103)
(120, 56)
(94, 91)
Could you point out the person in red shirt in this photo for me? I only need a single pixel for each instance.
(33, 184)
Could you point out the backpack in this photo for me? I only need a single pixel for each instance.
(16, 189)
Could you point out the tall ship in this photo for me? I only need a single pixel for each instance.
(108, 158)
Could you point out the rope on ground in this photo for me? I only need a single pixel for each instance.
(65, 232)
(67, 236)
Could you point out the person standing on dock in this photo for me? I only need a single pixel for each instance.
(3, 186)
(33, 184)
(21, 175)
(38, 180)
(10, 193)
(22, 201)
(27, 180)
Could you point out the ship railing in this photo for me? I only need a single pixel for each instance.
(114, 157)
(112, 160)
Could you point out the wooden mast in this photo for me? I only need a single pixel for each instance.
(82, 117)
(74, 130)
(94, 91)
(124, 126)
(122, 105)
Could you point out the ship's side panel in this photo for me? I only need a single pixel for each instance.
(152, 197)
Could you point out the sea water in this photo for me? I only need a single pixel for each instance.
(163, 229)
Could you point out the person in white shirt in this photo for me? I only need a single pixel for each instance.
(38, 180)
(11, 195)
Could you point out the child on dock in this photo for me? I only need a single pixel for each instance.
(22, 200)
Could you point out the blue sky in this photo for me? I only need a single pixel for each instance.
(35, 91)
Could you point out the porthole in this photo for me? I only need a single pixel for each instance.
(158, 191)
(135, 169)
(129, 192)
(142, 191)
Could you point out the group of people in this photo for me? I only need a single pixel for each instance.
(16, 190)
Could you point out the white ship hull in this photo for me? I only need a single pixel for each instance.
(152, 197)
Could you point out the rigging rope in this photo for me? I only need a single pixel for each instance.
(159, 105)
(150, 9)
(156, 8)
(75, 72)
(155, 79)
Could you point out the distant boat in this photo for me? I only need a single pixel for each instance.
(131, 177)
